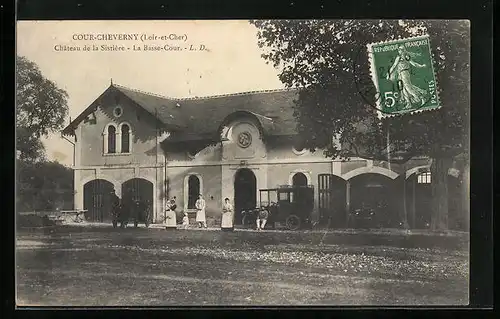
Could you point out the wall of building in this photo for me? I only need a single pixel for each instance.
(210, 153)
(91, 134)
(273, 164)
(232, 150)
(210, 186)
(283, 149)
(118, 176)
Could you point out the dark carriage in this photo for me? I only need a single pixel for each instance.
(135, 211)
(289, 205)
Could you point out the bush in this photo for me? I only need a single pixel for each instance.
(25, 221)
(43, 186)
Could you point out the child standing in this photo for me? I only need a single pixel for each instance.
(185, 221)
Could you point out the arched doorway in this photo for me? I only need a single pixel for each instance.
(301, 195)
(374, 192)
(245, 192)
(193, 191)
(299, 179)
(97, 200)
(139, 189)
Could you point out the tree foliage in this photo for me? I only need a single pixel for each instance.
(43, 186)
(328, 61)
(41, 108)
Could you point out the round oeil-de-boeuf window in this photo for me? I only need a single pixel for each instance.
(244, 139)
(118, 111)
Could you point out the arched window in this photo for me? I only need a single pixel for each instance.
(111, 139)
(125, 135)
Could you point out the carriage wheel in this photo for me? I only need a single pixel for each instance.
(292, 222)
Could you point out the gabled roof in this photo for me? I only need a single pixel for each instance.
(201, 118)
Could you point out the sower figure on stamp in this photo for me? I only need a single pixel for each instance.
(227, 223)
(170, 215)
(200, 212)
(400, 74)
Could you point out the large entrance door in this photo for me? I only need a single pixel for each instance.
(139, 189)
(377, 192)
(245, 192)
(332, 200)
(97, 200)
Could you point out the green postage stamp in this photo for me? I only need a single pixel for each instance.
(403, 73)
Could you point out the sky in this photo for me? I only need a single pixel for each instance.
(230, 63)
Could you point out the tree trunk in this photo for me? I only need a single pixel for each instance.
(465, 194)
(403, 206)
(439, 185)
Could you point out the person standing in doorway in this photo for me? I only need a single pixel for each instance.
(200, 212)
(227, 223)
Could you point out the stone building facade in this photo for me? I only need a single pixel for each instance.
(140, 144)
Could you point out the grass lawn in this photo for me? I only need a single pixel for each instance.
(90, 266)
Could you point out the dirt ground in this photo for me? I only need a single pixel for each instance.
(102, 266)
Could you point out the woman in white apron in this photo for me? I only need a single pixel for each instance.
(227, 216)
(170, 215)
(200, 212)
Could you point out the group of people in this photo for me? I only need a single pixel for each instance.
(227, 222)
(129, 208)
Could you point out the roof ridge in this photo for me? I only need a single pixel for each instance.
(234, 94)
(203, 97)
(144, 92)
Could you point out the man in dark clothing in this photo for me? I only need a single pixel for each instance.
(115, 208)
(127, 208)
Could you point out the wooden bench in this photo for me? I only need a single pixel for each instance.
(59, 216)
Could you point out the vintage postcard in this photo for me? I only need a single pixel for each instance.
(242, 163)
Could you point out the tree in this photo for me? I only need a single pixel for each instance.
(327, 60)
(41, 109)
(43, 186)
(29, 148)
